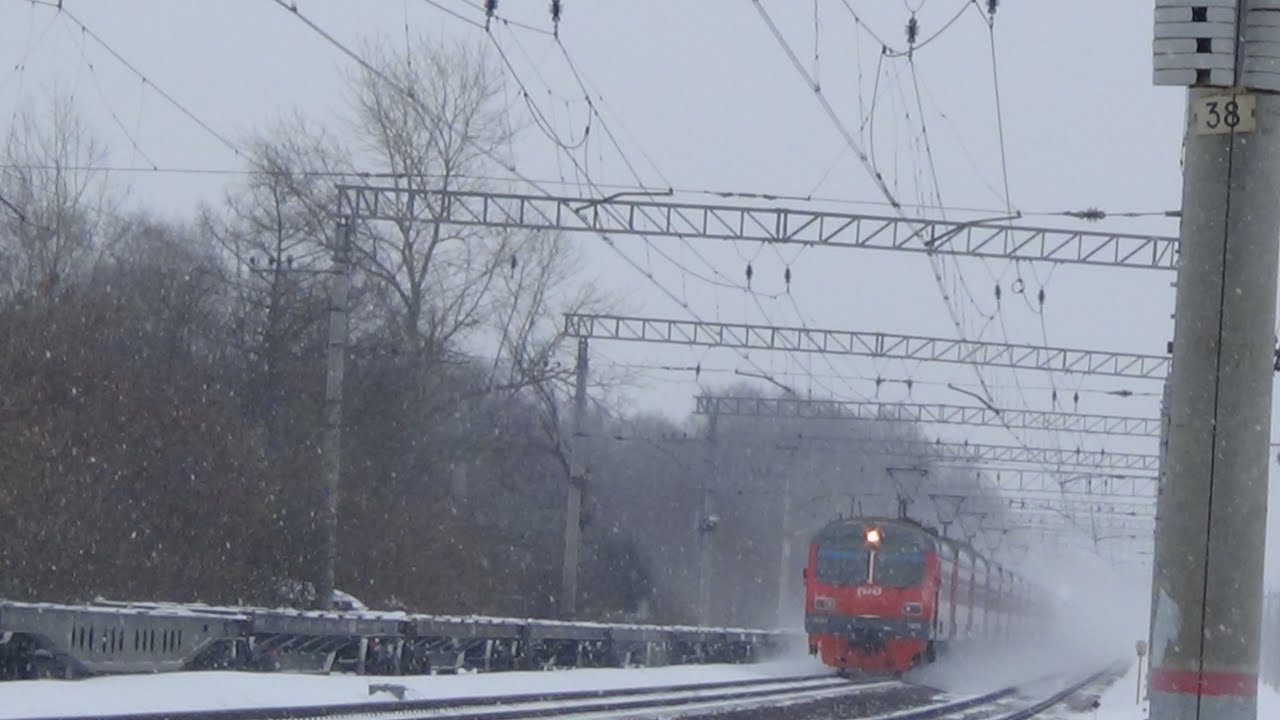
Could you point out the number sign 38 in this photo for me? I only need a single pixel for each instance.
(1225, 114)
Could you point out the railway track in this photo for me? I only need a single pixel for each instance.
(799, 698)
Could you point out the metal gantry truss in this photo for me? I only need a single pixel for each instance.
(1077, 508)
(745, 336)
(915, 413)
(990, 454)
(1134, 485)
(1140, 527)
(623, 215)
(1055, 483)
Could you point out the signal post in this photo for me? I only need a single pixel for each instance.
(1211, 527)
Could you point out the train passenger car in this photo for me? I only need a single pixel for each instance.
(884, 595)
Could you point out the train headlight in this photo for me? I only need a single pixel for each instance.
(913, 609)
(824, 603)
(873, 536)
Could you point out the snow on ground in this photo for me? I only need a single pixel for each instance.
(224, 690)
(1121, 700)
(985, 668)
(1268, 702)
(1124, 701)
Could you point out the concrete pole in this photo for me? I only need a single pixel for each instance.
(1211, 528)
(577, 481)
(706, 525)
(331, 445)
(1161, 497)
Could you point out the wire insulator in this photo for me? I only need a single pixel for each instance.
(556, 9)
(997, 293)
(1092, 214)
(1040, 297)
(697, 371)
(913, 30)
(750, 272)
(992, 6)
(490, 8)
(1075, 400)
(786, 277)
(1055, 399)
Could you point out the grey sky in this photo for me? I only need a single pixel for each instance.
(705, 91)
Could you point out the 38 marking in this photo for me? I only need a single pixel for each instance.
(1225, 114)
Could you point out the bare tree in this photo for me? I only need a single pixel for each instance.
(55, 200)
(431, 118)
(275, 231)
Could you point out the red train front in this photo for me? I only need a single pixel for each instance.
(884, 595)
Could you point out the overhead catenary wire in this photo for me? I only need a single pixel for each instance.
(873, 171)
(420, 108)
(635, 173)
(179, 106)
(580, 167)
(726, 194)
(672, 295)
(115, 117)
(753, 294)
(748, 267)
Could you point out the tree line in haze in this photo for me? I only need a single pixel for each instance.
(162, 387)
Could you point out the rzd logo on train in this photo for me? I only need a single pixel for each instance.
(873, 591)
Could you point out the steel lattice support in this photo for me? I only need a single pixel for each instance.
(1040, 481)
(619, 215)
(863, 344)
(988, 454)
(1077, 508)
(1142, 526)
(927, 413)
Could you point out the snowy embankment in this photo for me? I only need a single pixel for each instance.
(226, 690)
(1124, 700)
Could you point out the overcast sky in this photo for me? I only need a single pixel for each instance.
(702, 97)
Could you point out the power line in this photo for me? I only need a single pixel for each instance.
(418, 105)
(93, 72)
(878, 380)
(85, 29)
(875, 174)
(917, 46)
(1091, 214)
(454, 13)
(635, 173)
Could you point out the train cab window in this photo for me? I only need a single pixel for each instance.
(842, 566)
(900, 569)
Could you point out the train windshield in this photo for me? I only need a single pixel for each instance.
(843, 565)
(902, 568)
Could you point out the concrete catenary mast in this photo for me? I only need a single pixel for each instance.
(1211, 525)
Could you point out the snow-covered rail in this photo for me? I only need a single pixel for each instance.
(780, 698)
(674, 699)
(50, 640)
